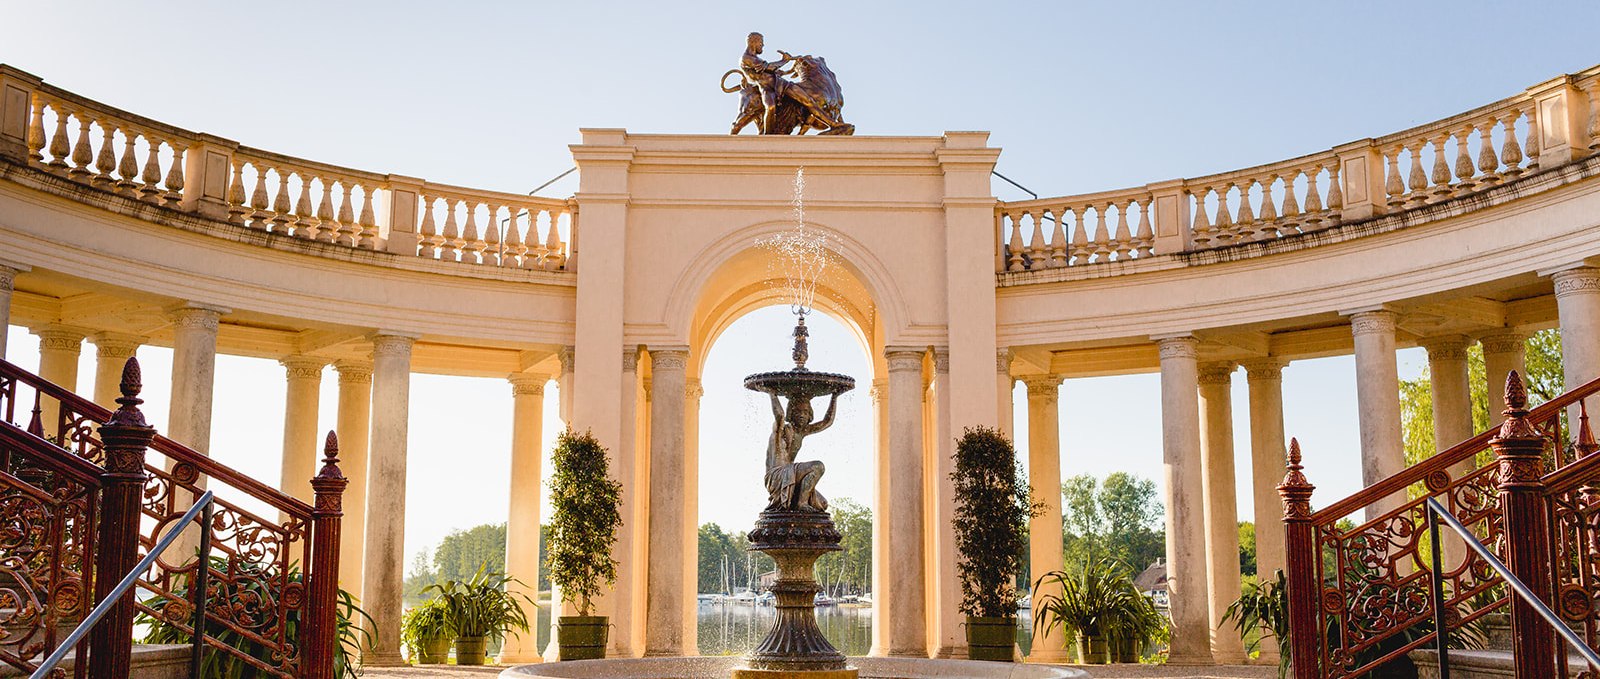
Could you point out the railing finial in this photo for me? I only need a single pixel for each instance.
(330, 458)
(1516, 426)
(1296, 488)
(127, 413)
(36, 423)
(1586, 444)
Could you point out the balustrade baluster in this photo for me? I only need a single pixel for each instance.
(556, 254)
(1464, 169)
(1124, 240)
(173, 196)
(535, 257)
(105, 162)
(1030, 247)
(1036, 242)
(1102, 233)
(428, 245)
(260, 217)
(349, 233)
(1488, 162)
(1392, 186)
(1245, 230)
(514, 247)
(59, 147)
(305, 225)
(149, 189)
(1223, 224)
(1313, 211)
(327, 226)
(36, 130)
(82, 150)
(236, 206)
(1335, 194)
(1058, 239)
(1510, 152)
(369, 228)
(128, 165)
(450, 248)
(472, 245)
(1441, 169)
(1290, 222)
(491, 236)
(1417, 180)
(1080, 235)
(1200, 228)
(1269, 211)
(1531, 146)
(280, 202)
(1146, 236)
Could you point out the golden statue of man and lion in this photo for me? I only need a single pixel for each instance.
(778, 105)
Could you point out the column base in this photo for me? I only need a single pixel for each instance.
(1230, 658)
(383, 660)
(1191, 660)
(907, 653)
(1049, 657)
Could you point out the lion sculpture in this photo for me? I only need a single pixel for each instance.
(812, 101)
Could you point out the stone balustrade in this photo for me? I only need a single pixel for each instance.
(1547, 125)
(87, 142)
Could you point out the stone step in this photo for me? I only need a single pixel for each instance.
(1480, 664)
(149, 662)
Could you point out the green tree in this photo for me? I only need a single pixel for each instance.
(462, 551)
(715, 544)
(1247, 548)
(585, 519)
(1119, 518)
(1543, 377)
(851, 567)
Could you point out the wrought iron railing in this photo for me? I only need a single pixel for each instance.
(1360, 593)
(276, 578)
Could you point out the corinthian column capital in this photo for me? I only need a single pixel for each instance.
(1373, 322)
(1579, 281)
(1217, 373)
(904, 359)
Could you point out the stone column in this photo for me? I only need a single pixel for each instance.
(194, 371)
(384, 570)
(691, 513)
(112, 351)
(950, 640)
(665, 595)
(1186, 530)
(904, 583)
(1044, 476)
(59, 347)
(354, 425)
(1267, 468)
(1504, 350)
(8, 277)
(880, 516)
(623, 600)
(1578, 304)
(300, 424)
(1378, 402)
(1221, 507)
(522, 521)
(1452, 413)
(1003, 383)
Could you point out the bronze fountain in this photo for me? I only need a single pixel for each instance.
(795, 529)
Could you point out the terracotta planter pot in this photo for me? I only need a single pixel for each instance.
(433, 651)
(582, 637)
(472, 650)
(992, 639)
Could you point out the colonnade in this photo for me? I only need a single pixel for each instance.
(651, 605)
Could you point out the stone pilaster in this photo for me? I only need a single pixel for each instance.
(1044, 477)
(949, 639)
(304, 390)
(1186, 534)
(1267, 455)
(691, 512)
(354, 426)
(880, 513)
(384, 571)
(1378, 402)
(1003, 383)
(1578, 304)
(665, 595)
(1504, 350)
(59, 348)
(625, 600)
(1221, 507)
(901, 601)
(112, 351)
(8, 277)
(522, 519)
(194, 373)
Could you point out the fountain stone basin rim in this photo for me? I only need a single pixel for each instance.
(800, 383)
(720, 667)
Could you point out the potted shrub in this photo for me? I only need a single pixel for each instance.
(480, 609)
(583, 528)
(993, 505)
(1099, 604)
(425, 631)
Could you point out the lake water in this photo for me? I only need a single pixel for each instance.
(736, 629)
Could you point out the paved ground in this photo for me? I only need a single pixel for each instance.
(1110, 671)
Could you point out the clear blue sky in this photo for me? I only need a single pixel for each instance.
(1081, 97)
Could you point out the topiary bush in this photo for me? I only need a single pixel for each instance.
(583, 526)
(993, 506)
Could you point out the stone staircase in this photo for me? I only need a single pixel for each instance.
(1494, 661)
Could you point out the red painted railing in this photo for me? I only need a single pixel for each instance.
(276, 577)
(1359, 593)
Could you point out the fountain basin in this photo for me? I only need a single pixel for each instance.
(800, 383)
(722, 667)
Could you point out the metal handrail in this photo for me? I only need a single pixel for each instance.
(1437, 512)
(202, 509)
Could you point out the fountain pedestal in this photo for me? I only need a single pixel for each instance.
(796, 647)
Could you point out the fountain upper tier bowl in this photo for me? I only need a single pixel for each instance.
(800, 383)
